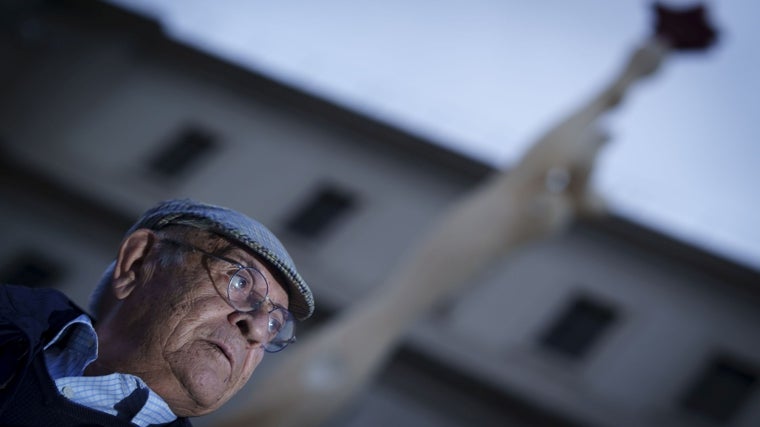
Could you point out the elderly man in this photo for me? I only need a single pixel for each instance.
(196, 295)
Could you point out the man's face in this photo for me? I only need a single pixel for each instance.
(188, 344)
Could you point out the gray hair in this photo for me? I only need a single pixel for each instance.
(96, 297)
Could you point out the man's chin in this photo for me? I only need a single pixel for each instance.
(205, 389)
(201, 402)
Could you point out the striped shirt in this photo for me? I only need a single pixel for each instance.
(123, 395)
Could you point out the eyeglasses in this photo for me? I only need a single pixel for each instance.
(248, 292)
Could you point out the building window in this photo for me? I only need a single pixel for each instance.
(321, 211)
(183, 151)
(578, 328)
(30, 268)
(721, 389)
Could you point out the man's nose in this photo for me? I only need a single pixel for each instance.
(254, 326)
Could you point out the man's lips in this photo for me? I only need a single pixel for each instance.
(224, 350)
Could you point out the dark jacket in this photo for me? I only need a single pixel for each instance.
(30, 318)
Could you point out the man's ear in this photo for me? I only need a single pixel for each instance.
(130, 261)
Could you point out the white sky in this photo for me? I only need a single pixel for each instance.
(485, 77)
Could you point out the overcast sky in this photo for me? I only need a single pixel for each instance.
(485, 77)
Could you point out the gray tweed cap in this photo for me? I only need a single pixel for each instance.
(240, 228)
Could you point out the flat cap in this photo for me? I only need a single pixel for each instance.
(241, 229)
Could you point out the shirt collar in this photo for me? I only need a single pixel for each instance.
(126, 396)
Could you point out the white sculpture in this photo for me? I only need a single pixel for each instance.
(534, 199)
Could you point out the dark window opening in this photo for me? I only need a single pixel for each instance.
(320, 212)
(183, 152)
(30, 268)
(721, 389)
(578, 328)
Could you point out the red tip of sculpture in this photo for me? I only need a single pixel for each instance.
(684, 29)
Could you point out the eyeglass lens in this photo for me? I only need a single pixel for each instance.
(248, 291)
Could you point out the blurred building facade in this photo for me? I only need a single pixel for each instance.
(610, 324)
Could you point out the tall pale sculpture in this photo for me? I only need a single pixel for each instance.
(536, 198)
